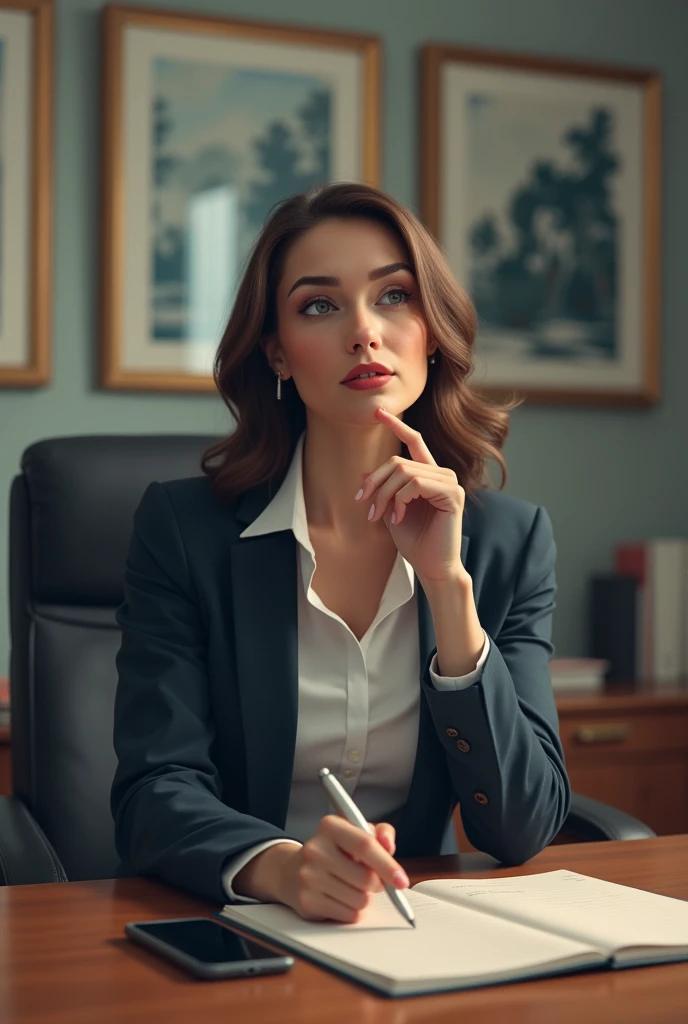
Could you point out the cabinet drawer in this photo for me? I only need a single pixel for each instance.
(654, 792)
(586, 735)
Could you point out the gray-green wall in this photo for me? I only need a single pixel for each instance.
(603, 475)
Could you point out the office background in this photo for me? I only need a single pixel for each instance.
(604, 475)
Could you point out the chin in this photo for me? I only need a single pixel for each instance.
(366, 416)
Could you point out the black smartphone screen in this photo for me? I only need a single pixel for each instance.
(207, 941)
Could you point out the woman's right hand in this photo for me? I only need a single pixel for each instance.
(333, 875)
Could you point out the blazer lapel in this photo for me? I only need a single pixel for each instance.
(264, 572)
(264, 582)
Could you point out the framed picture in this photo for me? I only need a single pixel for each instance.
(208, 123)
(541, 180)
(26, 89)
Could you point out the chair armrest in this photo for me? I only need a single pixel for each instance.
(26, 856)
(590, 820)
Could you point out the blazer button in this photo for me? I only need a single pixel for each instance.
(480, 798)
(452, 733)
(463, 746)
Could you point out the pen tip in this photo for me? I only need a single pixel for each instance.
(413, 923)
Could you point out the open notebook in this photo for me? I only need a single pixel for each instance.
(472, 932)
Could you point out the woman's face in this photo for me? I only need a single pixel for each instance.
(348, 296)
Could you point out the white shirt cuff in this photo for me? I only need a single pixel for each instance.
(459, 682)
(234, 866)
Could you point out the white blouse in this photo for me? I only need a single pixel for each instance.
(358, 701)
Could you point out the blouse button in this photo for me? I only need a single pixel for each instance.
(463, 745)
(452, 732)
(354, 755)
(348, 773)
(480, 798)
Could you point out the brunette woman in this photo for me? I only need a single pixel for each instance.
(341, 589)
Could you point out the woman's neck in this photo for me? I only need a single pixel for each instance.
(334, 457)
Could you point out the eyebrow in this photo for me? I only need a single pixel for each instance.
(333, 282)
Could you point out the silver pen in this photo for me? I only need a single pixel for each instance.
(348, 809)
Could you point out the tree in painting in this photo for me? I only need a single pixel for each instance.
(554, 280)
(281, 154)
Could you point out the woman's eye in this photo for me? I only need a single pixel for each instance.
(316, 307)
(396, 297)
(321, 306)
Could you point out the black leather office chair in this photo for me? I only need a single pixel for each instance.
(71, 517)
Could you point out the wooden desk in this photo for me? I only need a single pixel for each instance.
(64, 959)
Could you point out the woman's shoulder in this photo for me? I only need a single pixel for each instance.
(190, 490)
(493, 516)
(191, 501)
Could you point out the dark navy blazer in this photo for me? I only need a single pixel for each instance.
(207, 699)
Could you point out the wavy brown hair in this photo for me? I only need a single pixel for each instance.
(462, 429)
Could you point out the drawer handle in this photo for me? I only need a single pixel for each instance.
(611, 732)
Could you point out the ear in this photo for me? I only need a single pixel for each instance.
(274, 354)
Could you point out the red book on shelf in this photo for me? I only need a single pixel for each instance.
(4, 702)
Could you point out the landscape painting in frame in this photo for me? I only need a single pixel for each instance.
(210, 124)
(26, 32)
(541, 182)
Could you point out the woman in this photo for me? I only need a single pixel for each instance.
(339, 590)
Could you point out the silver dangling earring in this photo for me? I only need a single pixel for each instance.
(279, 386)
(432, 359)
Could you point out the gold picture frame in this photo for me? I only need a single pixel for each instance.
(26, 32)
(541, 179)
(156, 333)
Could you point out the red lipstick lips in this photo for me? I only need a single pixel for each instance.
(367, 368)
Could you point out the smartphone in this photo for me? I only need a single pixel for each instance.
(207, 948)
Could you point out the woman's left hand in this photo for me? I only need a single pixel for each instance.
(427, 502)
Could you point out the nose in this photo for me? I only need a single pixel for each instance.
(364, 333)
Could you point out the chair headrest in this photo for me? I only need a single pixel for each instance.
(82, 493)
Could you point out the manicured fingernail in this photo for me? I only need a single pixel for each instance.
(400, 880)
(371, 513)
(394, 518)
(359, 494)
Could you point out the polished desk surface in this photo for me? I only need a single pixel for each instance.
(64, 958)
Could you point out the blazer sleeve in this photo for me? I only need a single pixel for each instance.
(170, 820)
(506, 763)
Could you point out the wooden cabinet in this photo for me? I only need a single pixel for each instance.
(629, 748)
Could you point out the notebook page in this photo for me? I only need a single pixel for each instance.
(448, 942)
(606, 914)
